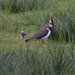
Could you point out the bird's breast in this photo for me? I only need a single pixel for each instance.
(47, 35)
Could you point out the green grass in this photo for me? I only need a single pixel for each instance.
(15, 6)
(34, 58)
(52, 60)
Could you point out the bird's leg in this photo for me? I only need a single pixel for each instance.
(43, 42)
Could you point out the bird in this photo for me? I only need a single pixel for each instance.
(43, 32)
(23, 34)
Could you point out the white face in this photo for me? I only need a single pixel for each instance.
(51, 25)
(21, 32)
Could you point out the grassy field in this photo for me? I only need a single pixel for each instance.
(34, 58)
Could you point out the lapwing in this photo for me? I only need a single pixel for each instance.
(23, 34)
(43, 33)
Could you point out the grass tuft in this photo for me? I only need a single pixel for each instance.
(55, 60)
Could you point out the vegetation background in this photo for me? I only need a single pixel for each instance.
(34, 58)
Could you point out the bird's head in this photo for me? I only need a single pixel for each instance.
(51, 23)
(23, 34)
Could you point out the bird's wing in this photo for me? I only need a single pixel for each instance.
(40, 34)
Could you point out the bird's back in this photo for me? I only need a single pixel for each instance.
(39, 33)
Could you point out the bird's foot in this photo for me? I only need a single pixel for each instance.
(43, 42)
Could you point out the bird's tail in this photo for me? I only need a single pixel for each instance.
(27, 40)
